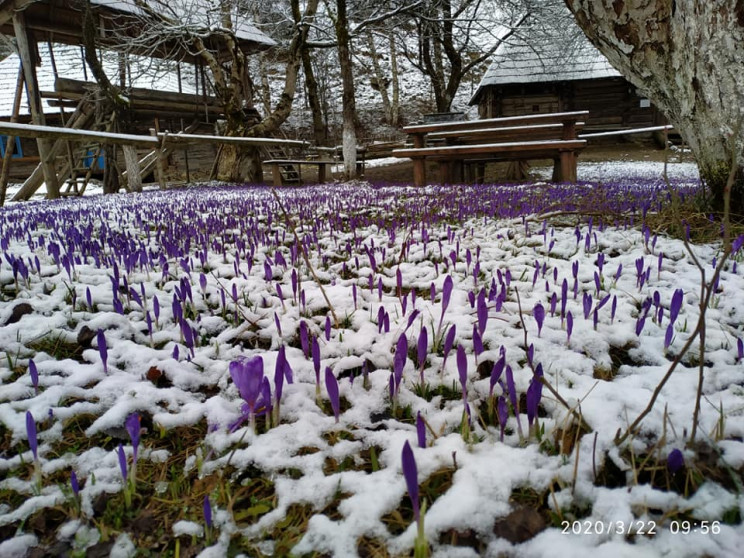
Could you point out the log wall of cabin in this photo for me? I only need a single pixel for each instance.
(613, 103)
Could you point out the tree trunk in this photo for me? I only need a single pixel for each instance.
(243, 164)
(379, 77)
(347, 96)
(395, 86)
(320, 132)
(687, 57)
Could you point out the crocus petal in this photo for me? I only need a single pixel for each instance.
(207, 509)
(420, 430)
(31, 433)
(247, 374)
(675, 461)
(333, 395)
(410, 474)
(133, 428)
(122, 462)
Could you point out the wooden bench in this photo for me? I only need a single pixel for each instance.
(460, 145)
(323, 165)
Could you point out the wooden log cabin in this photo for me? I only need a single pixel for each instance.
(545, 70)
(167, 88)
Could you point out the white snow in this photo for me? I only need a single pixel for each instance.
(485, 472)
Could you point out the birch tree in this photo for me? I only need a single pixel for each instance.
(687, 57)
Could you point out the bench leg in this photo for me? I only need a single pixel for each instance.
(564, 169)
(276, 174)
(419, 172)
(322, 173)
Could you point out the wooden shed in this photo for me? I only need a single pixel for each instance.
(172, 94)
(543, 70)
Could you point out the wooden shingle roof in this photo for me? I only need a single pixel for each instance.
(540, 55)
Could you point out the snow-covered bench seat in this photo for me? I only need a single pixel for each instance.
(460, 145)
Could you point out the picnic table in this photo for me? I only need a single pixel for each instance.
(458, 146)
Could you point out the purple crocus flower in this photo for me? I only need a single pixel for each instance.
(740, 350)
(333, 395)
(203, 283)
(304, 339)
(420, 430)
(315, 350)
(496, 372)
(449, 340)
(482, 310)
(74, 484)
(587, 303)
(539, 313)
(102, 350)
(31, 433)
(133, 428)
(613, 309)
(399, 360)
(477, 342)
(34, 373)
(675, 461)
(422, 349)
(410, 474)
(248, 376)
(676, 305)
(411, 319)
(207, 509)
(502, 411)
(669, 335)
(122, 462)
(328, 328)
(569, 326)
(564, 297)
(446, 294)
(534, 394)
(88, 298)
(462, 367)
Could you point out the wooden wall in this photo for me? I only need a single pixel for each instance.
(613, 103)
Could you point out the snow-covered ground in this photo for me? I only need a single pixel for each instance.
(230, 282)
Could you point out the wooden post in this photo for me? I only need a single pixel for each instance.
(34, 102)
(134, 180)
(79, 119)
(10, 143)
(159, 170)
(419, 163)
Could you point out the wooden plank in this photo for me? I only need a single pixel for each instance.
(51, 132)
(550, 118)
(455, 151)
(10, 140)
(34, 101)
(79, 118)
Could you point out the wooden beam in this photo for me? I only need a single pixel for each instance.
(10, 142)
(8, 9)
(79, 118)
(34, 101)
(51, 132)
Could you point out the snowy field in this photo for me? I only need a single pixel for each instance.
(223, 379)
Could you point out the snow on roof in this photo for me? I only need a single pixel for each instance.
(197, 13)
(540, 55)
(70, 64)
